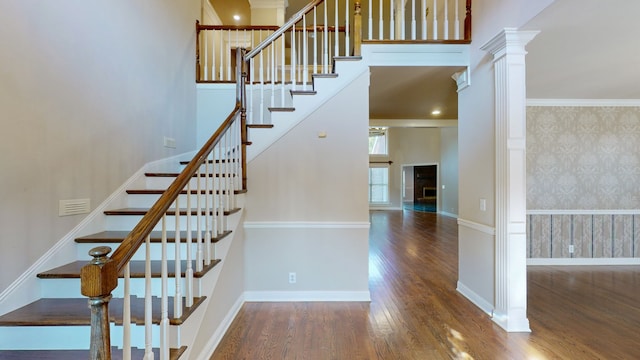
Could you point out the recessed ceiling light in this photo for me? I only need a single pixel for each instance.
(436, 112)
(236, 17)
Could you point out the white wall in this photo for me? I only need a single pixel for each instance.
(477, 141)
(410, 146)
(307, 207)
(89, 89)
(449, 170)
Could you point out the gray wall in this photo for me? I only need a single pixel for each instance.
(89, 89)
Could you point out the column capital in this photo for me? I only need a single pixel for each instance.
(509, 41)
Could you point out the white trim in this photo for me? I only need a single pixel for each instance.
(584, 212)
(382, 208)
(430, 123)
(21, 291)
(268, 4)
(218, 334)
(583, 102)
(444, 213)
(582, 261)
(489, 230)
(305, 225)
(297, 296)
(476, 299)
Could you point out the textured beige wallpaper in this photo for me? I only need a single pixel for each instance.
(585, 158)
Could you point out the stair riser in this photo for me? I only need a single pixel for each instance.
(161, 182)
(68, 288)
(147, 200)
(128, 222)
(67, 337)
(156, 250)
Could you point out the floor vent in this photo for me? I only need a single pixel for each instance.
(74, 207)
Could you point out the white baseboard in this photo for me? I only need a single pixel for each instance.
(476, 299)
(294, 296)
(583, 261)
(217, 336)
(444, 213)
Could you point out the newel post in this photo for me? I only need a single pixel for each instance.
(242, 98)
(99, 278)
(467, 22)
(197, 50)
(357, 29)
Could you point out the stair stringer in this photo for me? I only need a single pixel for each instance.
(26, 288)
(304, 105)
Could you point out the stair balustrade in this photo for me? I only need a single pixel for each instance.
(208, 184)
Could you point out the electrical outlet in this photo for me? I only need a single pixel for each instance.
(169, 142)
(571, 249)
(292, 278)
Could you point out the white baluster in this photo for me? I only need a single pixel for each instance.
(446, 19)
(293, 58)
(274, 78)
(305, 55)
(189, 270)
(325, 41)
(380, 21)
(435, 19)
(206, 54)
(283, 74)
(224, 154)
(392, 20)
(221, 56)
(347, 47)
(207, 215)
(401, 4)
(199, 253)
(336, 51)
(315, 40)
(413, 19)
(370, 36)
(126, 315)
(456, 24)
(424, 19)
(177, 302)
(251, 80)
(261, 88)
(148, 307)
(228, 56)
(164, 303)
(214, 36)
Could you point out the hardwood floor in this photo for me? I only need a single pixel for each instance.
(416, 313)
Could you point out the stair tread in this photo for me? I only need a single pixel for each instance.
(282, 109)
(116, 354)
(76, 312)
(326, 75)
(170, 212)
(175, 174)
(303, 92)
(210, 161)
(137, 269)
(259, 126)
(113, 236)
(184, 192)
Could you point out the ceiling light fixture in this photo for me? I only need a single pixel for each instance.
(236, 17)
(436, 112)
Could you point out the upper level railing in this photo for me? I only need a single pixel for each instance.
(285, 59)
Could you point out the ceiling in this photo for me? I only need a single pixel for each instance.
(599, 36)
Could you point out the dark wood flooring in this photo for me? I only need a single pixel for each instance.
(416, 313)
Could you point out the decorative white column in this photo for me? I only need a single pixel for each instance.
(508, 53)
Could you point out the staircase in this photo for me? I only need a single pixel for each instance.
(57, 326)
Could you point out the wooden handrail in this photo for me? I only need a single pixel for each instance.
(137, 236)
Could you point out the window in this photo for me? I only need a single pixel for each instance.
(379, 185)
(377, 141)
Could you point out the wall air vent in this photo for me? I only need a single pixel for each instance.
(74, 207)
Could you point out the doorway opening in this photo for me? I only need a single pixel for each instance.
(420, 187)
